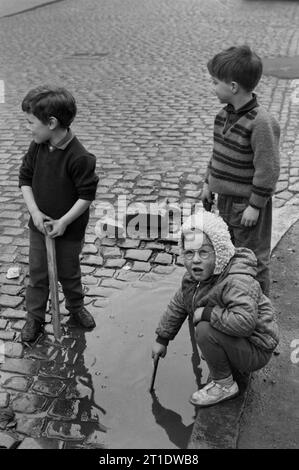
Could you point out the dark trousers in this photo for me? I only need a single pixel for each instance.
(68, 271)
(224, 353)
(257, 238)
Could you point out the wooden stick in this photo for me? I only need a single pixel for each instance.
(156, 360)
(53, 282)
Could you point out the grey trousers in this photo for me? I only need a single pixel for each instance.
(256, 238)
(224, 353)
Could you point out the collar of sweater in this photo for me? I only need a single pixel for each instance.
(245, 108)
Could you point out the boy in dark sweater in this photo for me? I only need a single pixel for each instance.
(244, 167)
(58, 182)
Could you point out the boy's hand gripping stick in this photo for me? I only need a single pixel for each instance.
(208, 205)
(53, 282)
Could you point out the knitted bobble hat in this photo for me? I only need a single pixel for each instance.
(217, 231)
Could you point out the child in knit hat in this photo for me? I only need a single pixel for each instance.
(234, 322)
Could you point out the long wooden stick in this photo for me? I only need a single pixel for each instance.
(156, 360)
(53, 282)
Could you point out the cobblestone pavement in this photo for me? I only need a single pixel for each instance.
(145, 109)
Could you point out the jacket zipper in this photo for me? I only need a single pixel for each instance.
(193, 298)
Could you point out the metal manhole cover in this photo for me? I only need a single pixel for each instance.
(282, 67)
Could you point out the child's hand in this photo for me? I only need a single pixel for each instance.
(158, 350)
(39, 218)
(197, 315)
(55, 228)
(250, 216)
(206, 194)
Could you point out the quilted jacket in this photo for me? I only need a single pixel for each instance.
(233, 303)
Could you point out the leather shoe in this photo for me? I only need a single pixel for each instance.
(31, 330)
(84, 318)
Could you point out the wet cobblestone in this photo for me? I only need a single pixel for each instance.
(8, 300)
(64, 409)
(13, 314)
(3, 324)
(115, 263)
(7, 441)
(50, 388)
(14, 350)
(163, 258)
(141, 267)
(7, 335)
(18, 383)
(42, 443)
(30, 426)
(28, 403)
(20, 366)
(93, 261)
(4, 399)
(58, 371)
(96, 440)
(139, 255)
(65, 431)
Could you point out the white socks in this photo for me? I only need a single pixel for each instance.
(227, 382)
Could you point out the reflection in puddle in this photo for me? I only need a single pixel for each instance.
(171, 422)
(118, 357)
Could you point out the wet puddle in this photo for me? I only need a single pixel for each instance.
(118, 358)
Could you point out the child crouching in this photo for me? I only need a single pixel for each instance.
(234, 322)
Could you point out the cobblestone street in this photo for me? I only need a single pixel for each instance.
(145, 109)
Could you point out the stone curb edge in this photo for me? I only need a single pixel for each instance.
(283, 219)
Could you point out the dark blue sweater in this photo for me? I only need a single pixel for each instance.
(58, 179)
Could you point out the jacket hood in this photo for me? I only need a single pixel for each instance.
(243, 262)
(214, 227)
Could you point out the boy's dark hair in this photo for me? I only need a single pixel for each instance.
(239, 64)
(46, 101)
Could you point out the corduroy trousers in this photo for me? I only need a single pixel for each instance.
(225, 354)
(256, 238)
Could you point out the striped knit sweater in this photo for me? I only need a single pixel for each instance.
(245, 160)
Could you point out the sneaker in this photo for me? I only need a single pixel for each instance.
(84, 318)
(213, 393)
(31, 330)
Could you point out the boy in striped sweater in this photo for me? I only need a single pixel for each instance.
(244, 167)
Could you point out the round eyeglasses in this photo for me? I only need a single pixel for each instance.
(203, 254)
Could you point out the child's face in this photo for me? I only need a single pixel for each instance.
(40, 132)
(199, 255)
(223, 90)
